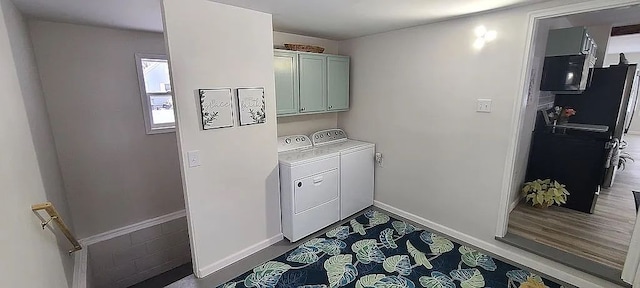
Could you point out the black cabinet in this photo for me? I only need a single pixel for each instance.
(573, 160)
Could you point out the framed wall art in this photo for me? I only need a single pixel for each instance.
(251, 106)
(217, 108)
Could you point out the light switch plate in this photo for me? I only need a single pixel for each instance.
(484, 105)
(194, 158)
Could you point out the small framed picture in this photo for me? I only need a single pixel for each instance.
(217, 108)
(251, 106)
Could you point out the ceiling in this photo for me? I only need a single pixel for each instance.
(613, 17)
(332, 19)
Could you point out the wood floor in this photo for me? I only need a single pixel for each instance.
(603, 236)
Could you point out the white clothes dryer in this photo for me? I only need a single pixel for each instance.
(357, 162)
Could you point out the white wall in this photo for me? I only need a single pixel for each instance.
(115, 174)
(425, 129)
(306, 124)
(31, 257)
(442, 160)
(614, 59)
(233, 198)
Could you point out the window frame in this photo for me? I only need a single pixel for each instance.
(144, 97)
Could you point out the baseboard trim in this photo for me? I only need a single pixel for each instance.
(516, 256)
(80, 268)
(132, 228)
(514, 204)
(633, 132)
(237, 256)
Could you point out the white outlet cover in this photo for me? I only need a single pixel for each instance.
(194, 158)
(484, 105)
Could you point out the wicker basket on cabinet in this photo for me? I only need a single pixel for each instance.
(304, 48)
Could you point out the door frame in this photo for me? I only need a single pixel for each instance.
(631, 268)
(519, 108)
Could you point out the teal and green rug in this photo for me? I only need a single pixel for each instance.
(375, 250)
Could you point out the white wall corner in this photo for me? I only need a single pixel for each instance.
(200, 273)
(193, 31)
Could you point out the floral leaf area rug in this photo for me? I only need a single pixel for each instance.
(375, 250)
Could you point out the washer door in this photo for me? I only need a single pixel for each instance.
(312, 191)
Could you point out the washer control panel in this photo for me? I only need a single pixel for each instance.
(328, 136)
(293, 142)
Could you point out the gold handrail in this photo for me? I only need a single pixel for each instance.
(53, 213)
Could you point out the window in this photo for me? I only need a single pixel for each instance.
(155, 89)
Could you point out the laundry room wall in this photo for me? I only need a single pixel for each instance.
(306, 124)
(233, 204)
(444, 162)
(114, 173)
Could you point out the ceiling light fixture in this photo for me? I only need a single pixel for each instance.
(483, 36)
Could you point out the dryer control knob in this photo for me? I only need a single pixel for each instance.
(288, 141)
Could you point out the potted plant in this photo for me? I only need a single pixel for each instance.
(624, 157)
(544, 193)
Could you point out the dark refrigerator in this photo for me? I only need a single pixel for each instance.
(584, 160)
(605, 102)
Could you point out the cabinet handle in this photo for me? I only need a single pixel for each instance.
(330, 107)
(302, 109)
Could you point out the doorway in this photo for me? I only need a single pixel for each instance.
(595, 242)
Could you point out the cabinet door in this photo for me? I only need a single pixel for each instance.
(313, 83)
(566, 41)
(287, 86)
(337, 83)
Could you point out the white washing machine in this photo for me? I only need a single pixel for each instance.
(357, 161)
(309, 186)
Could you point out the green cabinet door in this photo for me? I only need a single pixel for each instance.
(287, 86)
(337, 83)
(313, 83)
